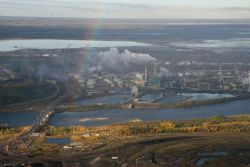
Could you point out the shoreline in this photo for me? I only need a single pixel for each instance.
(136, 105)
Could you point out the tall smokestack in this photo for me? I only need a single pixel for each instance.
(187, 68)
(146, 73)
(221, 75)
(155, 68)
(249, 80)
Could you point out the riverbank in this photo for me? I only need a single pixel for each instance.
(137, 127)
(141, 105)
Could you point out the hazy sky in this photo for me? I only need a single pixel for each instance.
(170, 9)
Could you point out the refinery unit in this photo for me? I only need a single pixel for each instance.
(198, 80)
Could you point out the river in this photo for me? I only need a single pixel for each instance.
(11, 45)
(106, 117)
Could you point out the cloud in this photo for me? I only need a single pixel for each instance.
(119, 9)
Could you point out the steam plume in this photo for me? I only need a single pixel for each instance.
(116, 61)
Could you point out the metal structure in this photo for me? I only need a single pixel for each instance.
(249, 80)
(146, 73)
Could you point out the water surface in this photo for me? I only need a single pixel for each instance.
(113, 99)
(205, 96)
(106, 117)
(11, 45)
(227, 43)
(125, 115)
(60, 141)
(15, 119)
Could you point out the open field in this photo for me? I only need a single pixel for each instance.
(201, 149)
(23, 95)
(218, 141)
(14, 95)
(183, 150)
(9, 133)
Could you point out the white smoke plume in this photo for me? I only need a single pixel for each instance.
(164, 72)
(115, 60)
(134, 91)
(95, 69)
(139, 75)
